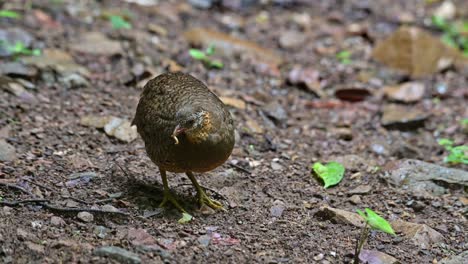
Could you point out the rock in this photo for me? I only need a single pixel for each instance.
(58, 60)
(74, 80)
(36, 248)
(420, 234)
(109, 208)
(340, 216)
(7, 151)
(204, 240)
(253, 126)
(361, 189)
(446, 10)
(17, 69)
(376, 257)
(140, 237)
(276, 166)
(57, 221)
(82, 178)
(118, 254)
(234, 102)
(121, 129)
(238, 5)
(203, 4)
(402, 118)
(407, 92)
(343, 133)
(292, 39)
(355, 199)
(277, 209)
(415, 52)
(276, 112)
(231, 45)
(95, 121)
(113, 126)
(18, 90)
(85, 217)
(424, 178)
(9, 37)
(100, 231)
(97, 44)
(458, 259)
(306, 77)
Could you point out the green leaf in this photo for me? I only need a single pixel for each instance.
(376, 222)
(344, 57)
(185, 218)
(449, 40)
(9, 14)
(119, 22)
(445, 142)
(439, 22)
(210, 50)
(464, 121)
(197, 54)
(331, 173)
(216, 64)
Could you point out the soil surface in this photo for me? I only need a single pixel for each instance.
(334, 111)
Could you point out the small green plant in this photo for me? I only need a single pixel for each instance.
(20, 49)
(344, 56)
(464, 122)
(454, 34)
(331, 173)
(204, 56)
(456, 154)
(119, 22)
(373, 222)
(9, 14)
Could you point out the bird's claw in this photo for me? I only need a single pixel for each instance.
(205, 200)
(169, 198)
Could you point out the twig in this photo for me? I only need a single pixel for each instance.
(16, 203)
(118, 165)
(38, 184)
(240, 168)
(13, 186)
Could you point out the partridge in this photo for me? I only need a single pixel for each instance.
(186, 128)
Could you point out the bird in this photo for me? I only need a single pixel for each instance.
(186, 128)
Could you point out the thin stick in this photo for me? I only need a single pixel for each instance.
(16, 203)
(206, 188)
(240, 168)
(13, 186)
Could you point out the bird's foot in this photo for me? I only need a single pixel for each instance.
(168, 197)
(204, 200)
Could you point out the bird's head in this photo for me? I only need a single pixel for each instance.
(194, 122)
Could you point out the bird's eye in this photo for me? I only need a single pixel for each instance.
(190, 122)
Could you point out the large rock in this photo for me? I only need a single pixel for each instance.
(423, 178)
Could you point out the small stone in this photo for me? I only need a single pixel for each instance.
(118, 254)
(234, 102)
(276, 166)
(97, 44)
(276, 112)
(355, 199)
(85, 217)
(319, 257)
(7, 151)
(457, 259)
(420, 234)
(339, 216)
(204, 240)
(95, 121)
(57, 221)
(402, 118)
(36, 248)
(292, 39)
(446, 10)
(277, 209)
(407, 92)
(109, 208)
(203, 4)
(100, 231)
(361, 189)
(376, 257)
(74, 80)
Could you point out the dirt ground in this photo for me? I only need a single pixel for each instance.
(274, 204)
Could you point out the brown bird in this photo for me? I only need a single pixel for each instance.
(186, 128)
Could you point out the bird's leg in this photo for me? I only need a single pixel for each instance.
(202, 197)
(167, 194)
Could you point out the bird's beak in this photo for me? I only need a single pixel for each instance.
(177, 131)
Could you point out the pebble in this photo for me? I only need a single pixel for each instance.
(100, 231)
(7, 151)
(292, 39)
(277, 209)
(57, 221)
(119, 254)
(355, 199)
(85, 217)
